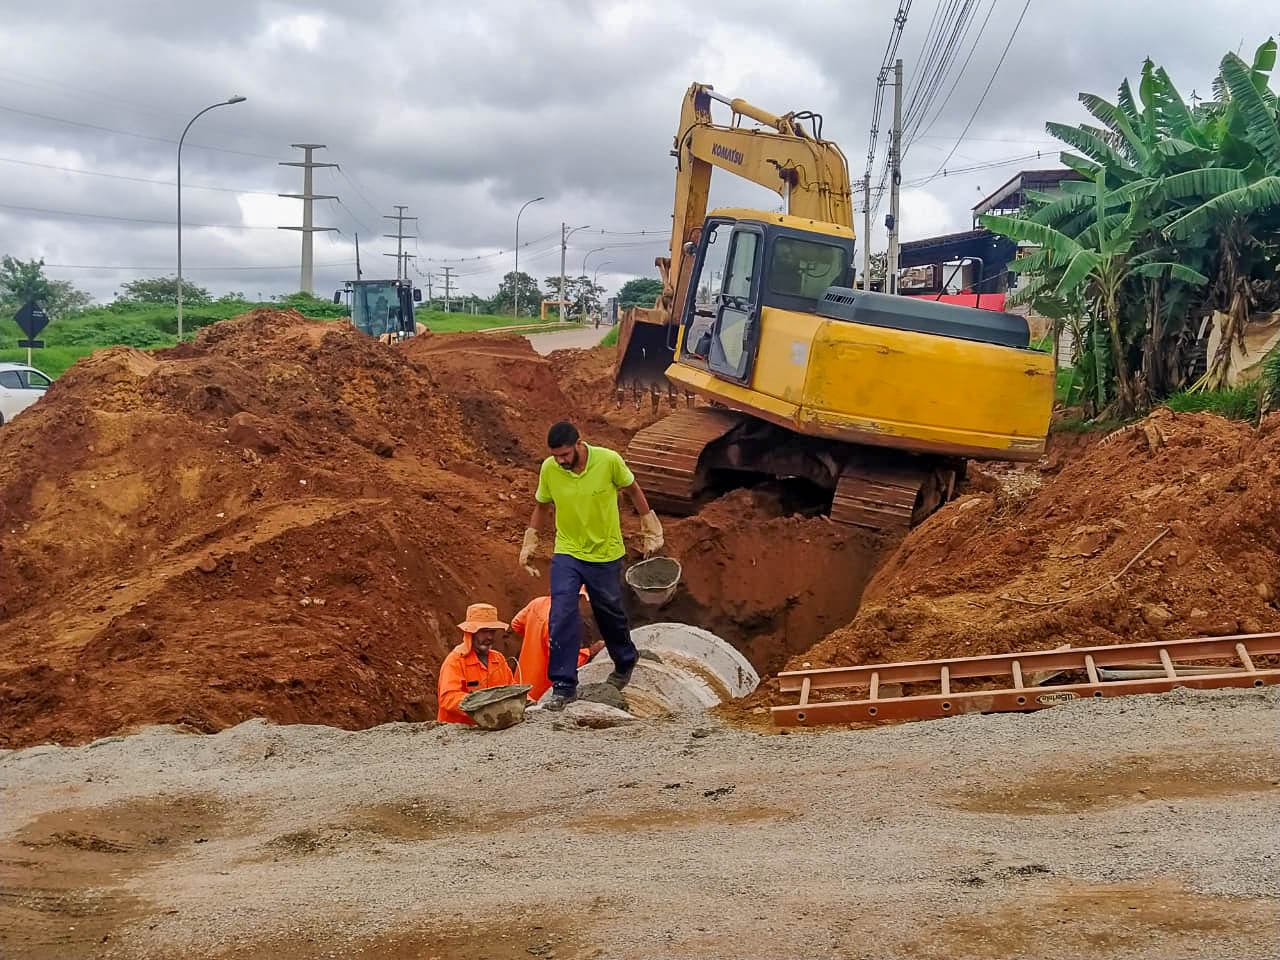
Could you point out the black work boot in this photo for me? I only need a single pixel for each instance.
(619, 679)
(558, 701)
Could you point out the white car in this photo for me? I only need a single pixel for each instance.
(20, 387)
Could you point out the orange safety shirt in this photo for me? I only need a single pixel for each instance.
(533, 623)
(462, 672)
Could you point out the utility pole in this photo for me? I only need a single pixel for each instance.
(564, 246)
(895, 174)
(447, 281)
(399, 237)
(430, 297)
(866, 234)
(358, 274)
(307, 280)
(565, 234)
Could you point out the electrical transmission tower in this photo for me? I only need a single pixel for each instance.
(448, 280)
(399, 237)
(307, 280)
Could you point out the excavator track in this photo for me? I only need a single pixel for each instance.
(877, 498)
(665, 456)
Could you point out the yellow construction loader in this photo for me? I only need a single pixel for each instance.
(875, 401)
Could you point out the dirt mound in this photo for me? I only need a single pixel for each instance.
(1194, 497)
(587, 377)
(286, 519)
(509, 395)
(278, 519)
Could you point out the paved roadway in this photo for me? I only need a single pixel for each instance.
(582, 339)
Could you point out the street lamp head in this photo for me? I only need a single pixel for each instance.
(236, 99)
(536, 199)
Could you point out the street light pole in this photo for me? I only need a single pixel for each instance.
(515, 276)
(565, 233)
(588, 254)
(595, 283)
(220, 103)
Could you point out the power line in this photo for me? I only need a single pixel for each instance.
(107, 216)
(185, 268)
(882, 79)
(957, 171)
(33, 81)
(129, 133)
(932, 85)
(965, 66)
(121, 176)
(982, 99)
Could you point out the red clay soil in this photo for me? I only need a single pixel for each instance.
(285, 519)
(958, 585)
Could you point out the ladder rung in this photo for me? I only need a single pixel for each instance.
(875, 686)
(1171, 673)
(946, 681)
(1247, 660)
(1017, 675)
(1091, 668)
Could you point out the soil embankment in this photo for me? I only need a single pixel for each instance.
(285, 519)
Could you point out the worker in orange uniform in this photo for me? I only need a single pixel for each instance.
(473, 664)
(533, 624)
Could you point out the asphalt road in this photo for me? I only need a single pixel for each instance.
(582, 339)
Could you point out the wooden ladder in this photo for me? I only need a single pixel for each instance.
(1005, 679)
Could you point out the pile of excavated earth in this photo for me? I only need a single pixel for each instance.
(286, 519)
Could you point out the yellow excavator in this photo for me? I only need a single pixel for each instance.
(874, 401)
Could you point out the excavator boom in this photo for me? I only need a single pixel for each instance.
(809, 173)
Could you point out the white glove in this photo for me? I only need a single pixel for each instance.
(651, 536)
(527, 550)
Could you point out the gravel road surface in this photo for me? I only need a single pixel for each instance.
(1142, 827)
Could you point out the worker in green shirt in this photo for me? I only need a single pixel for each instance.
(582, 482)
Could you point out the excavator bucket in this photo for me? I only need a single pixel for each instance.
(643, 353)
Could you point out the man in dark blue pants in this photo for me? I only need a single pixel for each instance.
(582, 482)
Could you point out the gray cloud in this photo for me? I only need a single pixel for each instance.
(463, 111)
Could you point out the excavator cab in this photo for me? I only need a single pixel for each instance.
(742, 260)
(747, 261)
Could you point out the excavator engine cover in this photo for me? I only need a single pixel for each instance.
(921, 315)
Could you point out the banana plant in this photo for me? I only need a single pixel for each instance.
(1099, 266)
(1240, 206)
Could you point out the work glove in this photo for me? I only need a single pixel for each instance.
(651, 536)
(527, 550)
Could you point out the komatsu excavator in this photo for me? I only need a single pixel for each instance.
(876, 401)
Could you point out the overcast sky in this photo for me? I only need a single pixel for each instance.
(463, 111)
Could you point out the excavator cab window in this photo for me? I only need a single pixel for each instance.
(805, 268)
(733, 338)
(708, 279)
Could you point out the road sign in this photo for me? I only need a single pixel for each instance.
(31, 344)
(31, 318)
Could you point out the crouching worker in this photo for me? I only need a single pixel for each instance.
(473, 664)
(533, 625)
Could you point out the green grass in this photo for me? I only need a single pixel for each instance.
(610, 338)
(440, 322)
(1234, 403)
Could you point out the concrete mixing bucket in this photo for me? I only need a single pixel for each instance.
(496, 708)
(682, 669)
(654, 581)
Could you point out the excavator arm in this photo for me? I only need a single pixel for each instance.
(809, 173)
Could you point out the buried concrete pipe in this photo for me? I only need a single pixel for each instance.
(682, 669)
